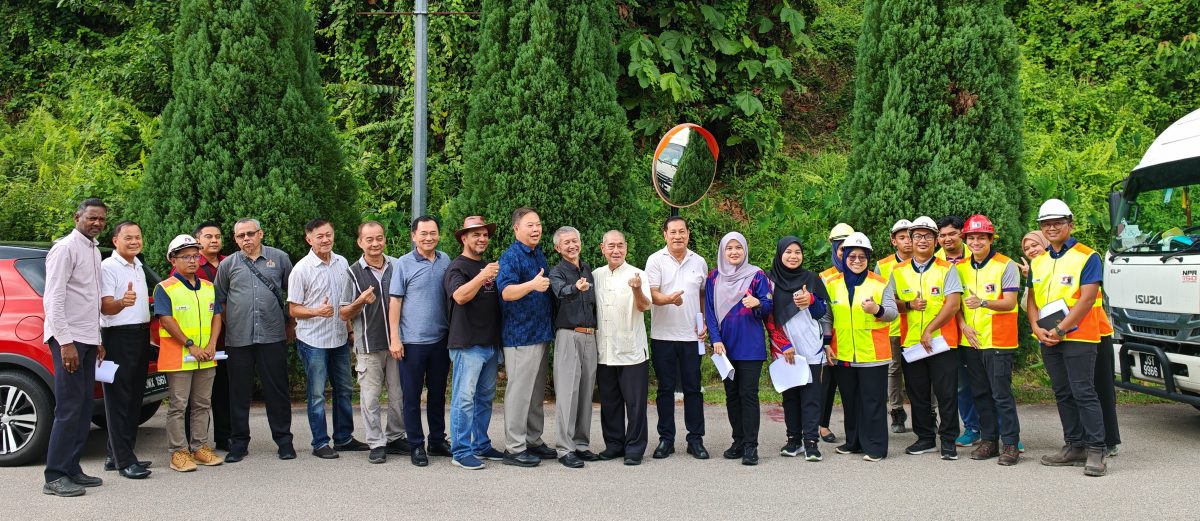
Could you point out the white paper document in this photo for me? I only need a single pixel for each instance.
(699, 328)
(106, 371)
(219, 356)
(724, 367)
(917, 351)
(1053, 307)
(786, 376)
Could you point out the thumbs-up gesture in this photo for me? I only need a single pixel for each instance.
(130, 297)
(540, 282)
(917, 304)
(1024, 267)
(750, 301)
(802, 298)
(973, 301)
(870, 306)
(677, 298)
(489, 272)
(326, 309)
(582, 284)
(636, 281)
(368, 295)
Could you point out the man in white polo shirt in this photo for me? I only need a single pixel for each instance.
(676, 278)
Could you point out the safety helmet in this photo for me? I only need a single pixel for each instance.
(924, 222)
(856, 240)
(979, 223)
(1054, 209)
(179, 243)
(901, 226)
(840, 231)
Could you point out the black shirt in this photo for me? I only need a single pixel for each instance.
(574, 308)
(477, 323)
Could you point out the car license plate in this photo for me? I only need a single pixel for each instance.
(156, 383)
(1150, 367)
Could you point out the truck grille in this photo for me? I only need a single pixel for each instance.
(1152, 315)
(1158, 331)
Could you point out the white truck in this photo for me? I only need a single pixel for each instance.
(1152, 269)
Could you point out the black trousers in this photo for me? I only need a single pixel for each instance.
(1106, 390)
(864, 401)
(741, 401)
(623, 391)
(222, 428)
(128, 347)
(990, 371)
(73, 404)
(269, 362)
(1072, 370)
(677, 364)
(425, 366)
(830, 386)
(802, 407)
(935, 376)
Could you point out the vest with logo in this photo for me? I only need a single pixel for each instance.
(993, 329)
(910, 283)
(885, 268)
(193, 311)
(857, 336)
(1055, 279)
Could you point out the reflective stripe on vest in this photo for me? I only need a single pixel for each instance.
(886, 267)
(929, 284)
(193, 311)
(993, 329)
(857, 336)
(1055, 279)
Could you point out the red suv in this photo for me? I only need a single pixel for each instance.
(26, 367)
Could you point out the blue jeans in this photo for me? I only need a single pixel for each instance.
(333, 365)
(473, 387)
(966, 401)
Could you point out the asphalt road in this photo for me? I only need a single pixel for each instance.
(1154, 477)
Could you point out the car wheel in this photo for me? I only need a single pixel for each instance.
(148, 411)
(26, 416)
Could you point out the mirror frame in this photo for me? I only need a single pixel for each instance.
(666, 140)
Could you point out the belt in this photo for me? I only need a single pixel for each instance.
(586, 330)
(130, 327)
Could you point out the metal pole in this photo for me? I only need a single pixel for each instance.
(420, 126)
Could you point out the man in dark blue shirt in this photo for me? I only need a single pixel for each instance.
(525, 332)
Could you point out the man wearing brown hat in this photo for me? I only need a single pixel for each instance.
(474, 344)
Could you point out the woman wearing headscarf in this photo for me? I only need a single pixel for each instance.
(829, 380)
(800, 302)
(861, 303)
(737, 300)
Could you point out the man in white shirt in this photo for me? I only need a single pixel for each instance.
(676, 278)
(622, 373)
(125, 331)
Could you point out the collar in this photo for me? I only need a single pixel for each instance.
(687, 255)
(420, 258)
(332, 258)
(362, 262)
(188, 285)
(583, 265)
(137, 263)
(204, 260)
(524, 248)
(79, 236)
(921, 267)
(619, 268)
(980, 265)
(1071, 242)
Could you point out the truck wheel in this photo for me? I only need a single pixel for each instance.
(148, 411)
(26, 415)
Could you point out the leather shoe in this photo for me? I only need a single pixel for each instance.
(352, 446)
(110, 465)
(325, 452)
(419, 457)
(398, 446)
(85, 480)
(521, 459)
(608, 454)
(440, 448)
(135, 471)
(633, 460)
(239, 455)
(665, 448)
(542, 452)
(697, 450)
(285, 453)
(587, 455)
(63, 487)
(734, 452)
(571, 461)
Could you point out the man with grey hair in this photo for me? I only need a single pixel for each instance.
(250, 290)
(574, 349)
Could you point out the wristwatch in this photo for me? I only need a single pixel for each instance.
(189, 343)
(1058, 331)
(983, 304)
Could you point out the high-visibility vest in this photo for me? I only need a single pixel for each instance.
(858, 337)
(829, 274)
(1055, 279)
(193, 311)
(885, 267)
(929, 284)
(1106, 328)
(993, 329)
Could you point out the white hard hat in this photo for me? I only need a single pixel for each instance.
(901, 225)
(1054, 209)
(857, 240)
(924, 222)
(181, 242)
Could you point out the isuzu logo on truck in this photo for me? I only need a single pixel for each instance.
(1154, 300)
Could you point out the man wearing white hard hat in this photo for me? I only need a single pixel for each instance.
(1069, 274)
(902, 243)
(189, 324)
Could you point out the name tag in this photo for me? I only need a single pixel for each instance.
(935, 291)
(1066, 280)
(906, 290)
(182, 307)
(270, 263)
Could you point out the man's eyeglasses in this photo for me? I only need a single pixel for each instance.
(922, 236)
(188, 258)
(246, 235)
(1053, 225)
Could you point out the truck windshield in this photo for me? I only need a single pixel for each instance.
(1156, 222)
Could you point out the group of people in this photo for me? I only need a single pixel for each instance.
(416, 321)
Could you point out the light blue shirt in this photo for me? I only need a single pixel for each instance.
(423, 312)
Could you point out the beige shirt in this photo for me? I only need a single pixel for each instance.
(72, 298)
(620, 327)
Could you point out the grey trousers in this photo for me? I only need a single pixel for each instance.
(524, 412)
(189, 388)
(373, 370)
(574, 377)
(896, 376)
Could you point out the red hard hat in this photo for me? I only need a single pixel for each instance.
(978, 223)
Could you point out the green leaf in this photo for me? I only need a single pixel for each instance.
(794, 20)
(748, 102)
(752, 68)
(725, 45)
(670, 82)
(765, 25)
(712, 16)
(734, 140)
(779, 66)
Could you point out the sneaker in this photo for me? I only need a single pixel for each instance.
(1066, 457)
(791, 449)
(898, 419)
(987, 449)
(325, 452)
(1021, 447)
(949, 452)
(1009, 455)
(920, 447)
(181, 460)
(399, 447)
(352, 446)
(205, 456)
(63, 487)
(872, 459)
(1113, 450)
(969, 437)
(377, 455)
(845, 448)
(491, 454)
(469, 462)
(811, 452)
(734, 451)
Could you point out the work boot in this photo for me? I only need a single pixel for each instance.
(987, 449)
(1009, 455)
(898, 419)
(1095, 465)
(1067, 456)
